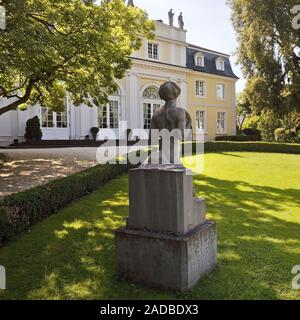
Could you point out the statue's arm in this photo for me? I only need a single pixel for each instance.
(181, 123)
(184, 123)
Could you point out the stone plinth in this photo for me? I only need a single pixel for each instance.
(161, 200)
(167, 241)
(166, 261)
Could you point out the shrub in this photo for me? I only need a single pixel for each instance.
(283, 135)
(251, 122)
(33, 130)
(267, 125)
(21, 210)
(251, 132)
(291, 137)
(94, 131)
(238, 138)
(279, 134)
(270, 147)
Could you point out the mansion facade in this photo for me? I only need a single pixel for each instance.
(205, 77)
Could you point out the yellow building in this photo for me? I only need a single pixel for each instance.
(204, 76)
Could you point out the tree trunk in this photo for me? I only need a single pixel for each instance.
(21, 100)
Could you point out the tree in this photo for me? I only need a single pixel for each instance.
(268, 123)
(51, 47)
(243, 110)
(268, 53)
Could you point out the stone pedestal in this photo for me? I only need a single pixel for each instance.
(167, 241)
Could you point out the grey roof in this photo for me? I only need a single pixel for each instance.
(209, 62)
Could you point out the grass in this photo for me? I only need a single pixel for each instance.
(253, 197)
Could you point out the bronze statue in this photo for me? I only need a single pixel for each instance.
(170, 117)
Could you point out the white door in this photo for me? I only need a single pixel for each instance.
(151, 103)
(149, 110)
(109, 119)
(55, 125)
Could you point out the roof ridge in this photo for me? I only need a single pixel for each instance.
(191, 46)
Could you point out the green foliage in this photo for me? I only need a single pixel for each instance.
(251, 122)
(248, 134)
(50, 47)
(20, 211)
(252, 132)
(239, 138)
(33, 132)
(94, 131)
(283, 135)
(291, 137)
(268, 53)
(280, 134)
(291, 121)
(267, 124)
(267, 147)
(243, 110)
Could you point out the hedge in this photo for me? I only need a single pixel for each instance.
(269, 147)
(21, 210)
(238, 138)
(251, 132)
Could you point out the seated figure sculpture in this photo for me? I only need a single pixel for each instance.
(171, 119)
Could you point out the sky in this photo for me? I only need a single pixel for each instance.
(207, 22)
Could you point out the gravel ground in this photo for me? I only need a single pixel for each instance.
(27, 168)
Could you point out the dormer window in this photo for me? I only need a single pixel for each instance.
(220, 64)
(199, 59)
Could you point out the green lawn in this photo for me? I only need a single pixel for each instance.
(254, 198)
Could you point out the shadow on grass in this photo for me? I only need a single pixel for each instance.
(72, 255)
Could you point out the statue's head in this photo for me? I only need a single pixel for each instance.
(169, 91)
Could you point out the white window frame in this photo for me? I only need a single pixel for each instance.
(224, 91)
(199, 56)
(151, 55)
(154, 106)
(220, 64)
(197, 91)
(203, 119)
(153, 102)
(224, 131)
(115, 99)
(47, 114)
(55, 118)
